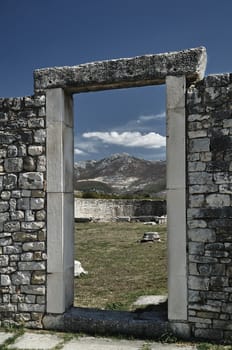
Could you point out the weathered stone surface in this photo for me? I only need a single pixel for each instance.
(32, 246)
(40, 136)
(38, 277)
(199, 283)
(5, 280)
(9, 181)
(35, 150)
(29, 164)
(31, 180)
(21, 278)
(209, 132)
(31, 266)
(23, 204)
(143, 70)
(202, 235)
(199, 145)
(4, 260)
(31, 307)
(12, 165)
(35, 290)
(218, 200)
(32, 226)
(37, 203)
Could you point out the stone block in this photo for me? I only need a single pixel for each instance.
(41, 215)
(196, 166)
(37, 203)
(21, 278)
(40, 136)
(199, 283)
(31, 265)
(222, 178)
(197, 134)
(35, 150)
(196, 248)
(24, 236)
(17, 215)
(31, 307)
(212, 334)
(38, 277)
(197, 224)
(201, 178)
(41, 163)
(32, 226)
(14, 249)
(5, 241)
(29, 163)
(196, 201)
(34, 123)
(202, 235)
(12, 226)
(10, 181)
(40, 299)
(4, 260)
(12, 151)
(217, 283)
(5, 280)
(4, 206)
(5, 195)
(218, 200)
(199, 145)
(181, 329)
(13, 165)
(30, 299)
(33, 246)
(141, 70)
(31, 181)
(35, 290)
(4, 217)
(27, 256)
(29, 215)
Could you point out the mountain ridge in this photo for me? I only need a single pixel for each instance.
(122, 173)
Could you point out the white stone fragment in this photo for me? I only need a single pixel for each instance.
(78, 269)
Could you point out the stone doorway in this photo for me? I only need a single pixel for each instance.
(174, 69)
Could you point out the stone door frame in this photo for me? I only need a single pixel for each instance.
(176, 70)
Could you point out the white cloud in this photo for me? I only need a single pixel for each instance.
(84, 146)
(143, 123)
(78, 151)
(147, 118)
(129, 139)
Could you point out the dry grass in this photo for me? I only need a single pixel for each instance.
(120, 269)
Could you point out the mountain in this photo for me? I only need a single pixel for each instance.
(121, 173)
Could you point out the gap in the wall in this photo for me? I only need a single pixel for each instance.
(108, 123)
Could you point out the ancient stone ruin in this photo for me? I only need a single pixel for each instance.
(104, 210)
(36, 206)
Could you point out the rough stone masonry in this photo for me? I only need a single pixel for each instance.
(29, 286)
(22, 210)
(209, 128)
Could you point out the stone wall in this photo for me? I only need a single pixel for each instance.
(108, 210)
(22, 211)
(36, 194)
(209, 207)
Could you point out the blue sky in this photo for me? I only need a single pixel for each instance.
(46, 33)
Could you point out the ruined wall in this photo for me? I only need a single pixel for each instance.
(108, 210)
(22, 210)
(209, 207)
(33, 197)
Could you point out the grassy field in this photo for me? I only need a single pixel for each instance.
(120, 269)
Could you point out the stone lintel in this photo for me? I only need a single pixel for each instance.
(124, 72)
